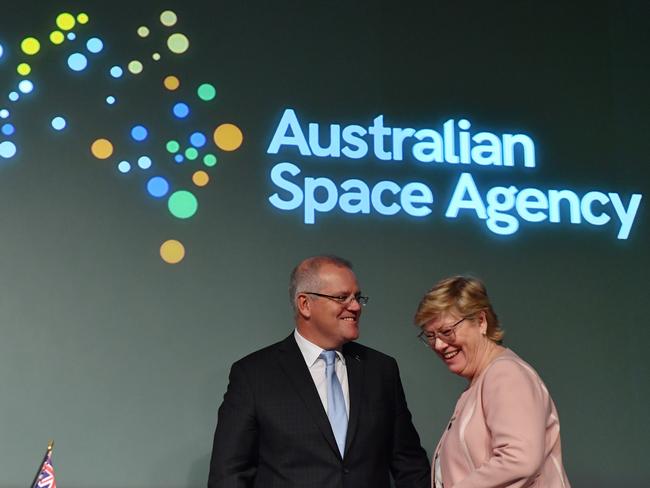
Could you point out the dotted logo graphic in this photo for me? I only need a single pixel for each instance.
(169, 148)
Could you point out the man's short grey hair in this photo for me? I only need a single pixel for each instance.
(304, 276)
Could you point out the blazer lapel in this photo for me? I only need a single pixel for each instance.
(293, 364)
(356, 370)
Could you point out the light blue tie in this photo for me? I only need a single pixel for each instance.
(335, 401)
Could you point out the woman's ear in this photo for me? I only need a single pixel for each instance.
(482, 322)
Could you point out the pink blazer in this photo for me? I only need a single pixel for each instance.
(504, 432)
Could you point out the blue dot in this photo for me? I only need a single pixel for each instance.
(110, 99)
(25, 86)
(181, 110)
(116, 72)
(124, 167)
(71, 36)
(13, 96)
(7, 149)
(4, 113)
(157, 186)
(94, 45)
(197, 139)
(77, 62)
(8, 129)
(144, 162)
(179, 158)
(1, 50)
(58, 123)
(139, 132)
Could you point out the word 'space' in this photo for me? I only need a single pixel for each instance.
(502, 208)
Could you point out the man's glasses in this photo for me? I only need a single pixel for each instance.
(342, 299)
(446, 335)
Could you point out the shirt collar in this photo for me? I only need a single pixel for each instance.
(310, 351)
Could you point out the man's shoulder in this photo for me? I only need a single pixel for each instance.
(361, 352)
(266, 353)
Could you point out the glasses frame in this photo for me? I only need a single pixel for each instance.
(429, 338)
(340, 299)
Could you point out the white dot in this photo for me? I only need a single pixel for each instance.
(58, 123)
(25, 86)
(144, 162)
(124, 167)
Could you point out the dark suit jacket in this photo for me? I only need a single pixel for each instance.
(272, 430)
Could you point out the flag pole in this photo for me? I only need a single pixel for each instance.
(50, 446)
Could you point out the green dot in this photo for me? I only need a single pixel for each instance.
(207, 92)
(182, 204)
(191, 153)
(209, 160)
(173, 146)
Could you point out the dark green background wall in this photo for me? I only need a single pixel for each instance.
(123, 359)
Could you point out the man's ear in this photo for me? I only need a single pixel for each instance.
(303, 306)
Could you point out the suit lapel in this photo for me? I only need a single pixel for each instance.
(293, 364)
(356, 370)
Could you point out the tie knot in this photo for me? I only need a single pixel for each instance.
(328, 356)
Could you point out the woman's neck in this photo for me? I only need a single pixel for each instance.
(489, 352)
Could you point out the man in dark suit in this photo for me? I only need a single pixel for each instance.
(317, 410)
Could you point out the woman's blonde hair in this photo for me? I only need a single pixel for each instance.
(468, 296)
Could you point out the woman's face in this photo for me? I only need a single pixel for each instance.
(464, 351)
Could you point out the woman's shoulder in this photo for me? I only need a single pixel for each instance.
(509, 366)
(511, 384)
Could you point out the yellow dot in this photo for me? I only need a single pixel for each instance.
(178, 43)
(135, 67)
(143, 31)
(83, 18)
(228, 137)
(101, 148)
(172, 251)
(24, 69)
(155, 56)
(171, 82)
(30, 46)
(57, 37)
(200, 178)
(65, 21)
(168, 18)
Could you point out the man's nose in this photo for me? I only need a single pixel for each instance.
(354, 304)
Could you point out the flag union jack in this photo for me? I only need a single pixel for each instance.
(46, 476)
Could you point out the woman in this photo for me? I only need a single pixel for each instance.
(505, 430)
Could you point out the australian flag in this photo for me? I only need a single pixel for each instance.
(45, 476)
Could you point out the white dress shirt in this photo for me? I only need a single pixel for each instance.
(316, 365)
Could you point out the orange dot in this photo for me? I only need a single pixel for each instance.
(172, 251)
(200, 178)
(228, 137)
(171, 82)
(101, 148)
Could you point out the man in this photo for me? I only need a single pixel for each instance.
(318, 410)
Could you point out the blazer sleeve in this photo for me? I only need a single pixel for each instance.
(515, 408)
(409, 461)
(234, 452)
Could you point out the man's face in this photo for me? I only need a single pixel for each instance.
(331, 324)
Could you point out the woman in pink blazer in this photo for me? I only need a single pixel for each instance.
(505, 430)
